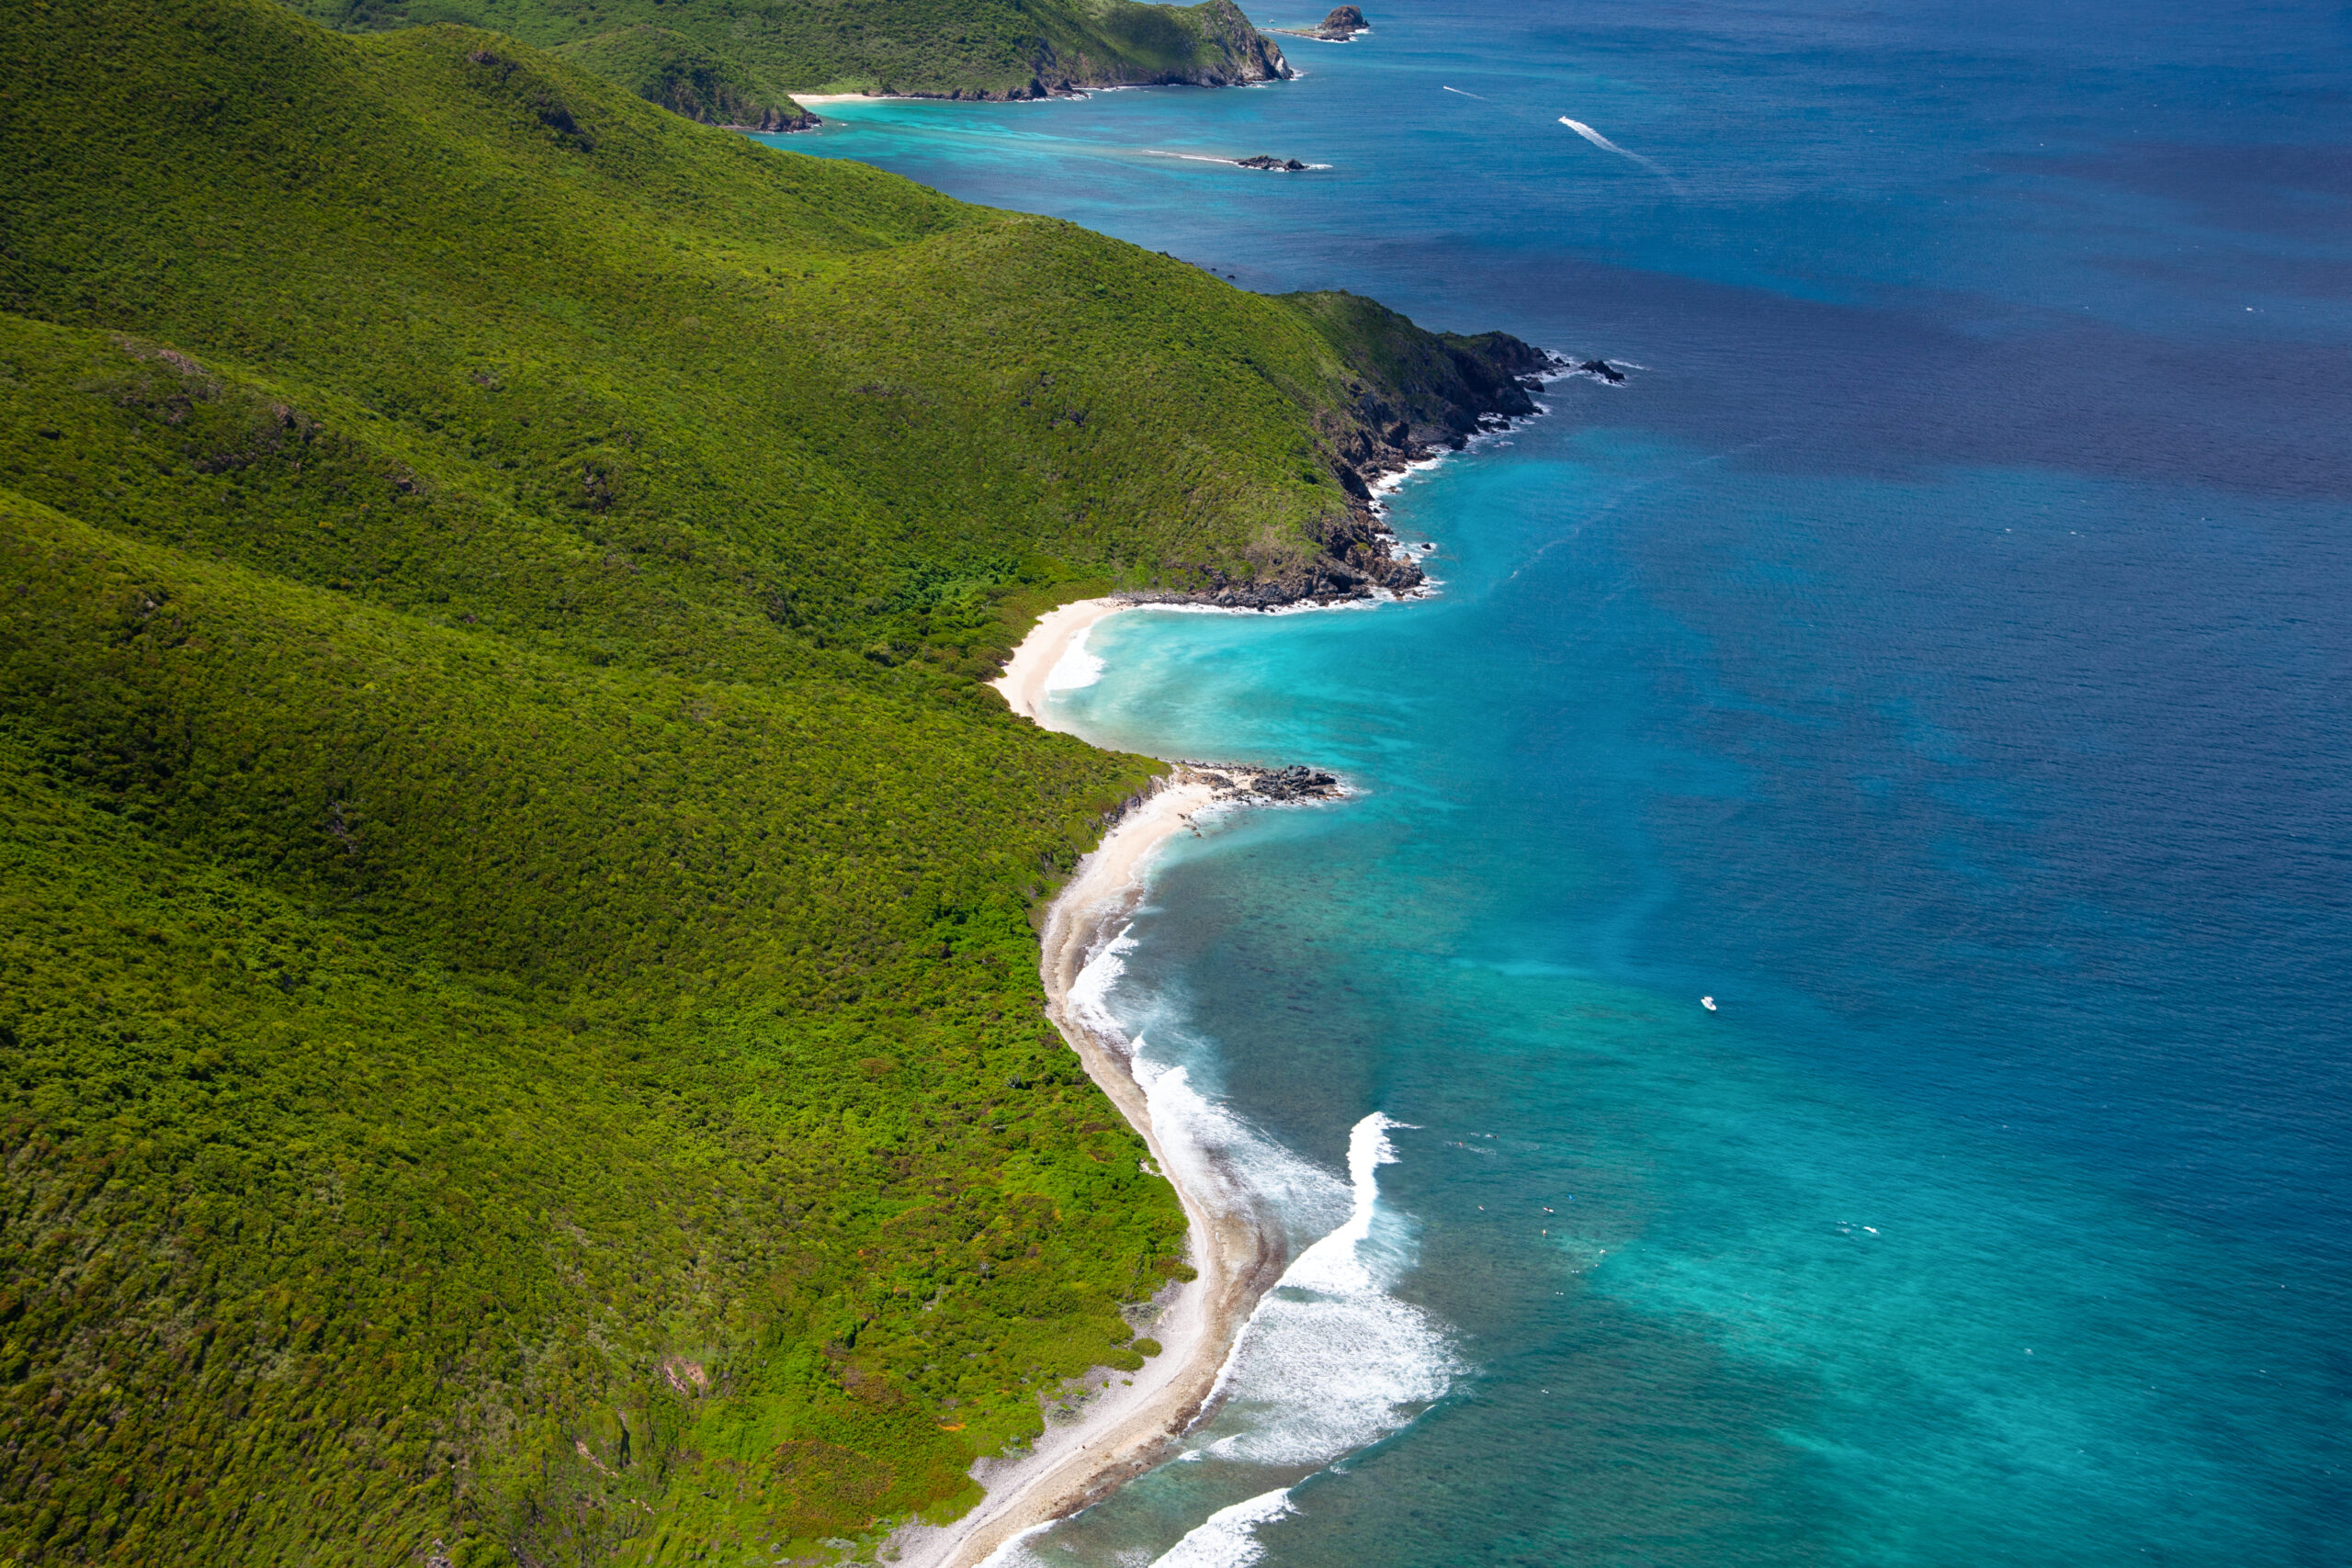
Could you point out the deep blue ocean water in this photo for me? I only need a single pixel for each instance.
(1937, 653)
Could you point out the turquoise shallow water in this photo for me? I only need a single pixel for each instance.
(1936, 654)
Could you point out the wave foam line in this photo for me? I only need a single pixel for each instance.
(1458, 90)
(1581, 128)
(1227, 1538)
(1330, 1362)
(1332, 1265)
(1016, 1552)
(1090, 994)
(1217, 1151)
(1075, 668)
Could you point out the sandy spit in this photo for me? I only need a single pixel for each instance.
(1128, 1427)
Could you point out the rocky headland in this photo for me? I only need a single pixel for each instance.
(685, 77)
(1228, 53)
(1341, 27)
(1413, 395)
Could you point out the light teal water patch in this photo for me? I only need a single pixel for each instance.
(1794, 1253)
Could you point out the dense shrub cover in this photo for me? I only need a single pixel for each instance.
(518, 1014)
(966, 47)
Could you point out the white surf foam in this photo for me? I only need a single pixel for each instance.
(1458, 90)
(1581, 128)
(1331, 1264)
(1218, 1151)
(1014, 1552)
(1075, 668)
(1090, 994)
(1330, 1360)
(1227, 1538)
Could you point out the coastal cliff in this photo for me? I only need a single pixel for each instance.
(976, 50)
(1210, 45)
(1409, 394)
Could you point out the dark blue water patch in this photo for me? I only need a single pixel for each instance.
(1994, 250)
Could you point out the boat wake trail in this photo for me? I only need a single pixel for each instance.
(1581, 128)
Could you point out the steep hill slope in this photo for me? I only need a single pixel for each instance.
(685, 78)
(518, 1023)
(981, 49)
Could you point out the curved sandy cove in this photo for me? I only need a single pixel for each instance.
(1023, 684)
(1128, 1427)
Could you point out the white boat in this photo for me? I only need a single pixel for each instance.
(1707, 1002)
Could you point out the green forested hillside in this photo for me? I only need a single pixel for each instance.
(686, 78)
(518, 1022)
(955, 48)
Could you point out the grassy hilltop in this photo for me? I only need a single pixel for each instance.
(518, 1022)
(765, 50)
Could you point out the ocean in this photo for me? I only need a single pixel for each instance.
(1936, 653)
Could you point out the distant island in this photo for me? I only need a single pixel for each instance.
(742, 64)
(1339, 27)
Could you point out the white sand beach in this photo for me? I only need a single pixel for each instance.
(1023, 682)
(1128, 1427)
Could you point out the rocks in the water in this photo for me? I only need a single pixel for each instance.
(1286, 165)
(1602, 368)
(1342, 24)
(1238, 782)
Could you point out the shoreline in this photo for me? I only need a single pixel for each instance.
(1126, 1428)
(1024, 683)
(1063, 91)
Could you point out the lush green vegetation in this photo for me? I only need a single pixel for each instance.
(956, 48)
(685, 78)
(518, 1022)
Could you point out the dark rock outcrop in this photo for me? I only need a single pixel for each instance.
(1226, 52)
(1239, 781)
(1602, 368)
(1286, 165)
(1342, 24)
(1414, 393)
(775, 121)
